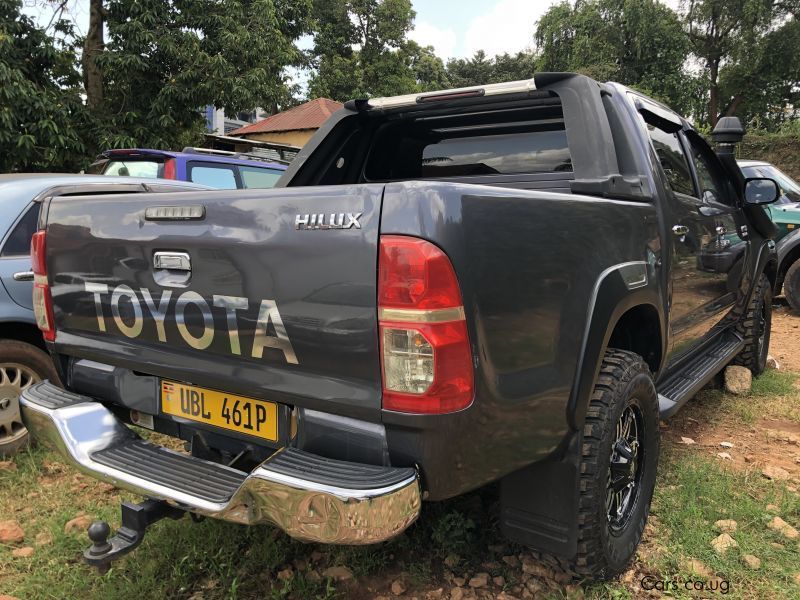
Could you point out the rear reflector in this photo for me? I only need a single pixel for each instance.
(426, 357)
(42, 300)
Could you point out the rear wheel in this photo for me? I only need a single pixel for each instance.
(618, 465)
(791, 286)
(21, 365)
(755, 328)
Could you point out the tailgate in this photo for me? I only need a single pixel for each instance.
(266, 293)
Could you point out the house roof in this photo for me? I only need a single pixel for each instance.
(310, 115)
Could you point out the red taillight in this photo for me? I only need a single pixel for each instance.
(37, 253)
(170, 171)
(426, 358)
(42, 300)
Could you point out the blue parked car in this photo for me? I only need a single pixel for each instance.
(23, 360)
(216, 169)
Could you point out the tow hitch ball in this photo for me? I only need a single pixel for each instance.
(136, 518)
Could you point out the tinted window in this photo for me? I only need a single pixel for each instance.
(221, 177)
(514, 141)
(134, 168)
(708, 175)
(533, 152)
(255, 177)
(19, 242)
(673, 160)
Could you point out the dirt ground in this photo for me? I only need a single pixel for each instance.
(454, 552)
(785, 343)
(763, 442)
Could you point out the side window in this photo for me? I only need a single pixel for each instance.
(217, 176)
(709, 176)
(258, 177)
(673, 160)
(19, 242)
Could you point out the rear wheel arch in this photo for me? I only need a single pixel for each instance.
(622, 319)
(791, 258)
(788, 250)
(638, 330)
(22, 332)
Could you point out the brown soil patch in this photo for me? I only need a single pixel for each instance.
(785, 341)
(765, 442)
(783, 425)
(754, 447)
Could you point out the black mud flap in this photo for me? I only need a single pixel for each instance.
(539, 504)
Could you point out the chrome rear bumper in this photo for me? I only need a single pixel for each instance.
(310, 498)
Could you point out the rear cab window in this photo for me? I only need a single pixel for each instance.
(217, 175)
(472, 146)
(134, 168)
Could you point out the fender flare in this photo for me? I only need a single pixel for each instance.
(613, 295)
(784, 248)
(545, 518)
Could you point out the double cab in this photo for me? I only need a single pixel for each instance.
(506, 283)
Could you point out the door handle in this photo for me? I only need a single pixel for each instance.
(172, 261)
(23, 276)
(680, 229)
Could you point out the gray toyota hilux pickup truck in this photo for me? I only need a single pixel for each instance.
(508, 283)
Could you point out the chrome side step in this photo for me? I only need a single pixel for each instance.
(310, 497)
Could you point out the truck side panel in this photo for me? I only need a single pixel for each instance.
(528, 263)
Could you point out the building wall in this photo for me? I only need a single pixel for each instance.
(297, 137)
(219, 123)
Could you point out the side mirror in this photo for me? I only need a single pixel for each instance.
(728, 130)
(761, 190)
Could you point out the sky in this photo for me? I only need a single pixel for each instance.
(455, 28)
(459, 28)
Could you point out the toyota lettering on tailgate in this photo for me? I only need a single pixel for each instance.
(163, 307)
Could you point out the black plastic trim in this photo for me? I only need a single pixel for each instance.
(49, 396)
(200, 478)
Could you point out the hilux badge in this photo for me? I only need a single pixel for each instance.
(327, 221)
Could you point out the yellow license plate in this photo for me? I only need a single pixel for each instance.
(227, 411)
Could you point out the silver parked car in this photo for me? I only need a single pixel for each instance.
(23, 360)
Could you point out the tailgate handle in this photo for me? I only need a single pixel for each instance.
(172, 261)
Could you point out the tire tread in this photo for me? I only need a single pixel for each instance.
(618, 366)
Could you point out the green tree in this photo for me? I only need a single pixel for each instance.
(361, 49)
(428, 69)
(480, 69)
(41, 113)
(635, 42)
(465, 72)
(166, 60)
(748, 50)
(761, 85)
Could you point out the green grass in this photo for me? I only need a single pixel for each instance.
(774, 395)
(214, 560)
(693, 492)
